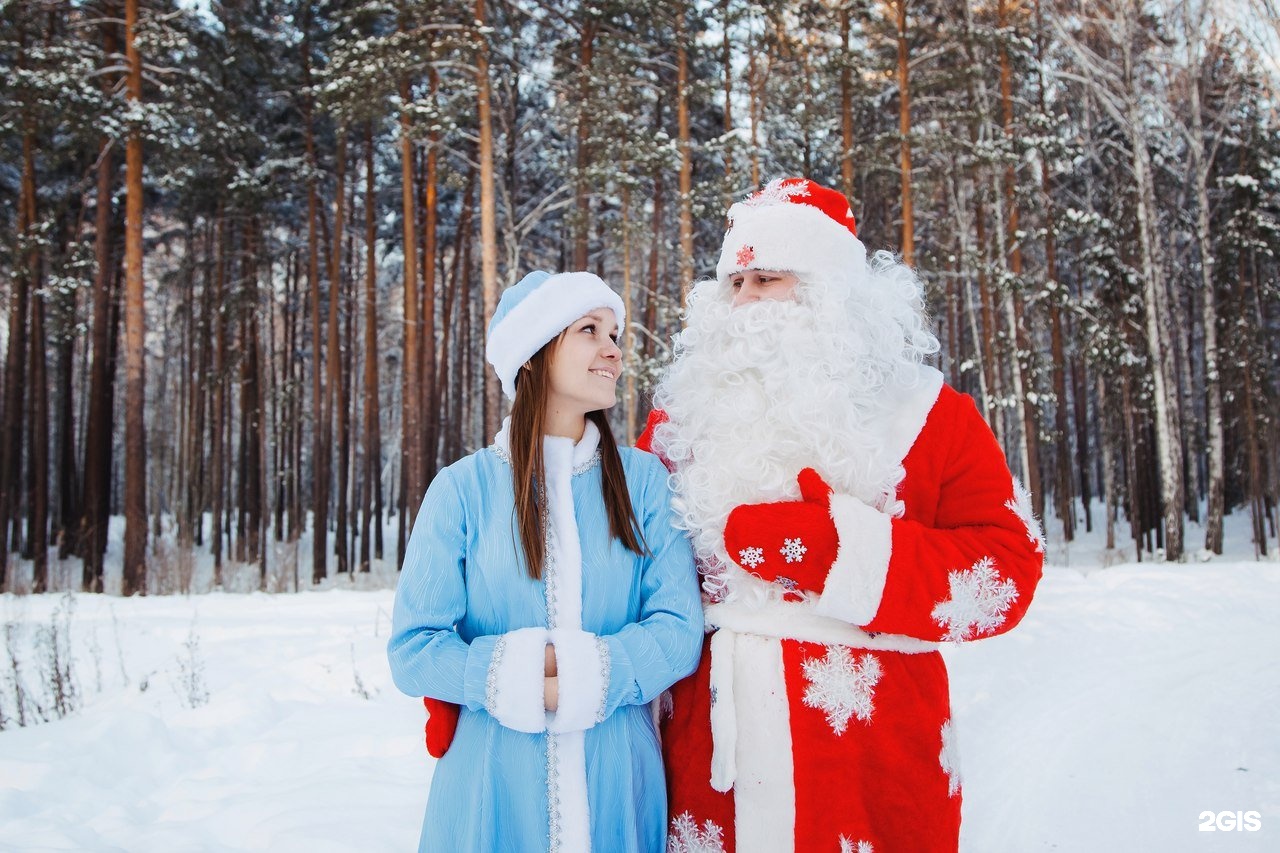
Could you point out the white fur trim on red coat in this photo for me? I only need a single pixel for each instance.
(797, 620)
(856, 581)
(724, 715)
(764, 791)
(514, 687)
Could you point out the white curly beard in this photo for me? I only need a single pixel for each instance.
(758, 392)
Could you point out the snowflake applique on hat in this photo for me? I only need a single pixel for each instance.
(746, 255)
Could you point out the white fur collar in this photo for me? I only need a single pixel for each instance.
(584, 453)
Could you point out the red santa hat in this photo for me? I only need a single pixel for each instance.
(796, 225)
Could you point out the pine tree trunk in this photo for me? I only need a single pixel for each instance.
(1108, 465)
(628, 302)
(135, 445)
(1132, 489)
(319, 439)
(411, 401)
(655, 248)
(372, 425)
(335, 399)
(846, 108)
(251, 411)
(686, 157)
(904, 135)
(488, 222)
(1027, 412)
(726, 64)
(581, 185)
(68, 516)
(756, 94)
(97, 441)
(38, 462)
(431, 210)
(217, 406)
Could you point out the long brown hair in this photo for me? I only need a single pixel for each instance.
(528, 420)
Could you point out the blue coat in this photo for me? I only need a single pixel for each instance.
(470, 627)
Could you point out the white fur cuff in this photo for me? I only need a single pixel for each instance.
(582, 663)
(855, 584)
(514, 687)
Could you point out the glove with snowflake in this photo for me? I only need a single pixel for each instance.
(791, 543)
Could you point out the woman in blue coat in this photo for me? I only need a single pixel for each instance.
(546, 591)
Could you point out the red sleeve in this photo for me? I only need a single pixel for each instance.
(964, 567)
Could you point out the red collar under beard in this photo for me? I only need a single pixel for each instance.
(758, 392)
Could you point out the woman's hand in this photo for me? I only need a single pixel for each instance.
(550, 681)
(549, 661)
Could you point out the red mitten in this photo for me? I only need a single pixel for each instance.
(792, 543)
(442, 720)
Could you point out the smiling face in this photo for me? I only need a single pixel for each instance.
(585, 366)
(758, 285)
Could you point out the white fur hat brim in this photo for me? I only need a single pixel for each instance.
(543, 314)
(796, 238)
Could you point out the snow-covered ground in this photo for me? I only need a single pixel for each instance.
(1132, 699)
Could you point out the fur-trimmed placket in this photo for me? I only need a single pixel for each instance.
(569, 815)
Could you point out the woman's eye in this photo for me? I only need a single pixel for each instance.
(590, 327)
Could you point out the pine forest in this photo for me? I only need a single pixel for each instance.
(249, 250)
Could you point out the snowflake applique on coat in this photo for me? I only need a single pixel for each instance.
(687, 837)
(1020, 505)
(842, 687)
(751, 557)
(847, 845)
(979, 601)
(949, 758)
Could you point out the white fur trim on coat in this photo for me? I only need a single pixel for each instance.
(544, 314)
(764, 791)
(797, 620)
(724, 719)
(856, 581)
(514, 687)
(902, 428)
(582, 666)
(570, 814)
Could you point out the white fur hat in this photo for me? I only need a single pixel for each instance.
(796, 225)
(536, 309)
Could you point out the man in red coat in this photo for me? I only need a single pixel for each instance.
(850, 511)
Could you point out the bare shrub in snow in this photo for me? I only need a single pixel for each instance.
(48, 650)
(191, 687)
(57, 673)
(359, 689)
